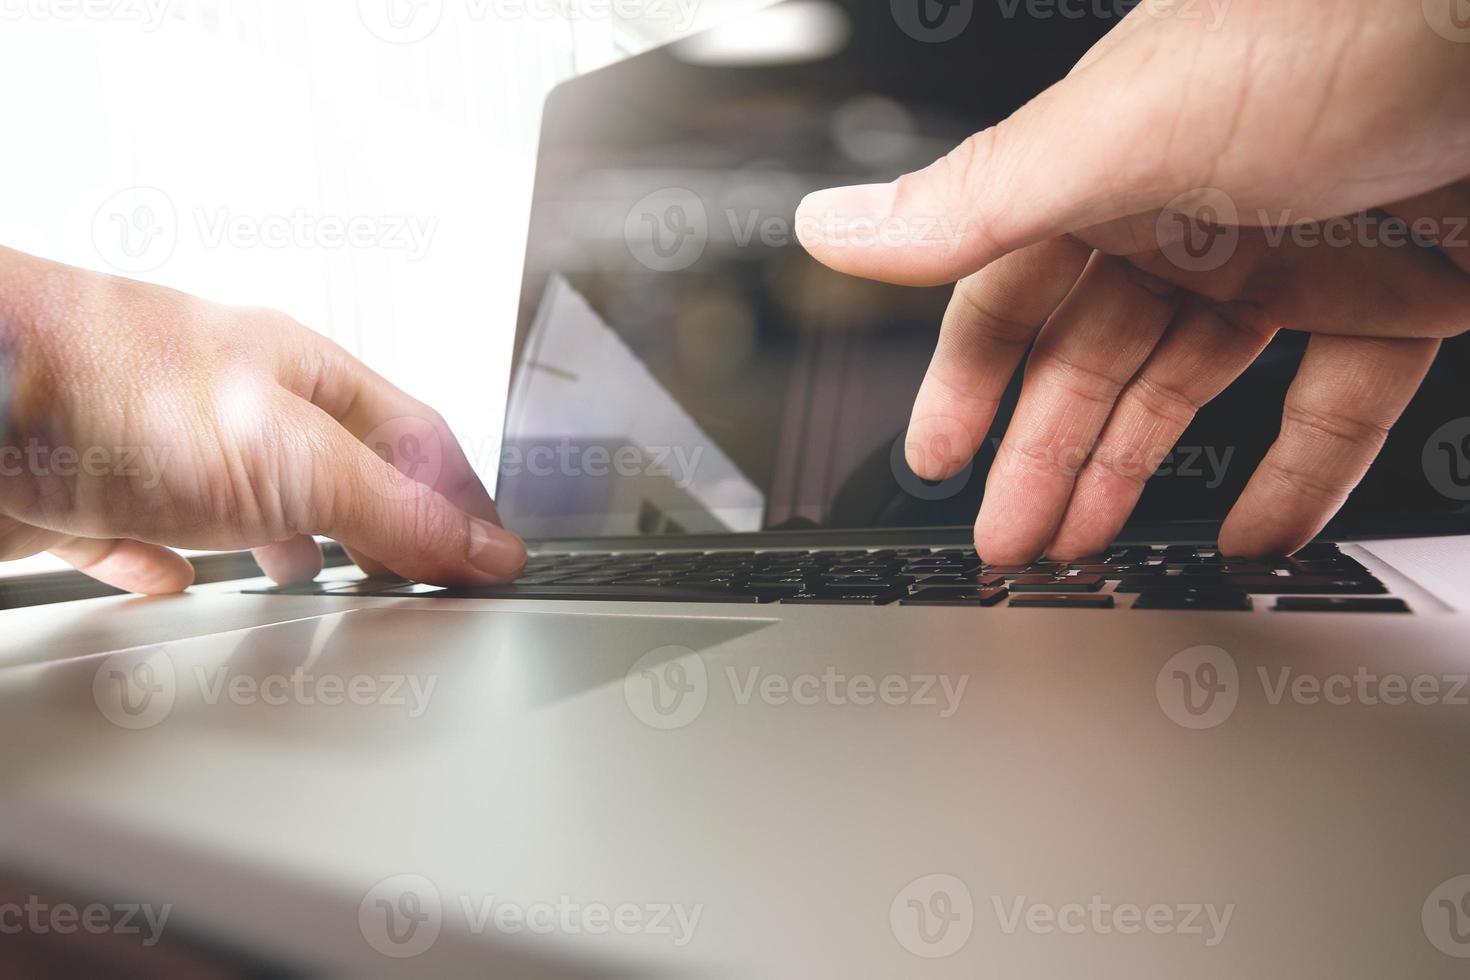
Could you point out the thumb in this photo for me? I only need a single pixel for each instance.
(360, 500)
(1097, 146)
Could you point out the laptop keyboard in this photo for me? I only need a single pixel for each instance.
(1182, 578)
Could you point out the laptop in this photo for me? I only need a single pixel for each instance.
(756, 707)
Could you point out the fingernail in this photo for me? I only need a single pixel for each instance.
(830, 216)
(495, 551)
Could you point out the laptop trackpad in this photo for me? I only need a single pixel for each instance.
(368, 674)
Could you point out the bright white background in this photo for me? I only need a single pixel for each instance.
(281, 113)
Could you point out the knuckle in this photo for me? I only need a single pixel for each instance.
(1315, 426)
(1133, 467)
(1075, 380)
(957, 404)
(1299, 482)
(1163, 400)
(978, 325)
(1036, 458)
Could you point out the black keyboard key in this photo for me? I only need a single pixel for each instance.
(1340, 567)
(980, 580)
(1093, 601)
(1232, 568)
(1305, 585)
(1196, 600)
(1088, 562)
(1256, 584)
(1016, 571)
(1173, 583)
(855, 596)
(1062, 583)
(866, 580)
(1318, 550)
(860, 587)
(937, 570)
(864, 569)
(1115, 572)
(1340, 604)
(769, 592)
(955, 597)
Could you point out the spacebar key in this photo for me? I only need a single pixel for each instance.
(619, 593)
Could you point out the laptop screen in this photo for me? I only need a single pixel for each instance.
(682, 365)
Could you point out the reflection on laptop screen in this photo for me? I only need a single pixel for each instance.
(684, 367)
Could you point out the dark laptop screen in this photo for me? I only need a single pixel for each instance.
(684, 367)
